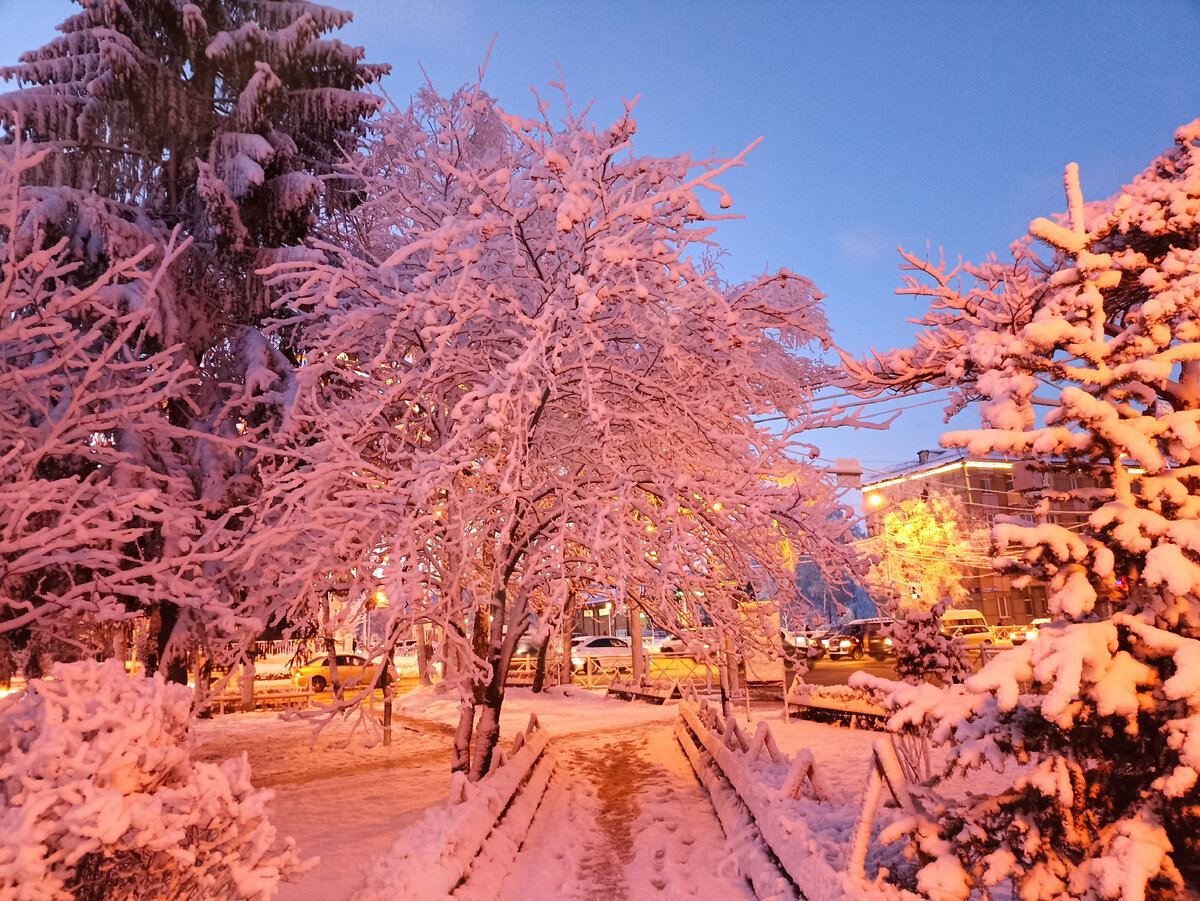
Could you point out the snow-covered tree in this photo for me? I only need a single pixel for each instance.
(219, 120)
(1105, 337)
(221, 116)
(83, 384)
(924, 551)
(524, 372)
(99, 798)
(923, 651)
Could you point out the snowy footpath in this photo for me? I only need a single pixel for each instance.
(623, 819)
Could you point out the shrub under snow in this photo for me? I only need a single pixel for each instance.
(99, 797)
(924, 652)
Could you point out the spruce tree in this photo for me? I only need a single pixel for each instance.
(1093, 357)
(214, 124)
(222, 117)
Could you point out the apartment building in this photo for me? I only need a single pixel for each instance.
(983, 488)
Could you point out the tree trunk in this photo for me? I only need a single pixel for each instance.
(388, 693)
(176, 666)
(247, 683)
(464, 737)
(121, 644)
(460, 758)
(330, 647)
(6, 664)
(487, 732)
(539, 673)
(565, 675)
(331, 656)
(635, 645)
(422, 654)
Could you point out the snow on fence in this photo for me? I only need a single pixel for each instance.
(789, 839)
(747, 779)
(886, 770)
(475, 831)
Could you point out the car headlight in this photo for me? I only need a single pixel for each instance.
(887, 642)
(844, 643)
(1030, 634)
(577, 661)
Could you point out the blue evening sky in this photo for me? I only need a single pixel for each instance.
(945, 124)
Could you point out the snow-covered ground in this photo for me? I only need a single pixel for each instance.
(342, 801)
(623, 818)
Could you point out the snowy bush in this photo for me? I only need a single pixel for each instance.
(923, 652)
(100, 800)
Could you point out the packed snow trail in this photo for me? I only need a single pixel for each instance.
(624, 819)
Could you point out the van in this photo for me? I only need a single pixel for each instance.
(953, 618)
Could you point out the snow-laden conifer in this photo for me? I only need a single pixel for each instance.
(219, 121)
(83, 384)
(1105, 340)
(223, 116)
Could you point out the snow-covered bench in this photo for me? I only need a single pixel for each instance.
(836, 704)
(656, 691)
(227, 702)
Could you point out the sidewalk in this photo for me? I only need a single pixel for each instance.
(624, 819)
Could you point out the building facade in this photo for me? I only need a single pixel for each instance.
(982, 489)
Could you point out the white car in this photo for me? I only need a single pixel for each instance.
(601, 652)
(976, 636)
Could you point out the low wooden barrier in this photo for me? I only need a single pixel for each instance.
(743, 777)
(480, 821)
(747, 778)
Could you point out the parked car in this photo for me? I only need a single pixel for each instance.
(601, 652)
(352, 670)
(852, 638)
(973, 628)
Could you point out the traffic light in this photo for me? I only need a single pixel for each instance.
(915, 591)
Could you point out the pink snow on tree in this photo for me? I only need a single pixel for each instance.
(82, 387)
(524, 372)
(219, 121)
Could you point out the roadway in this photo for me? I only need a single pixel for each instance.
(837, 672)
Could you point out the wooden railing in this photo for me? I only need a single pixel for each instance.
(483, 821)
